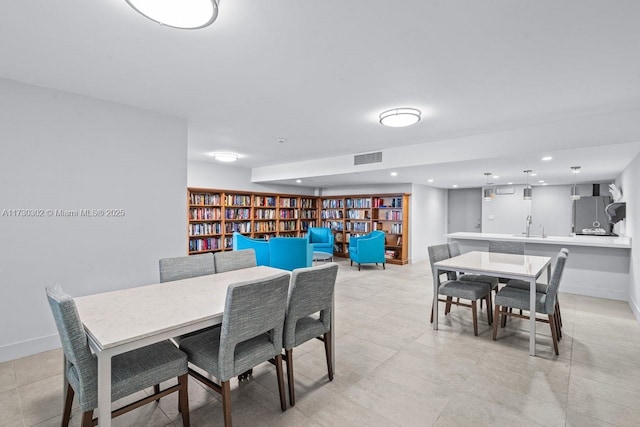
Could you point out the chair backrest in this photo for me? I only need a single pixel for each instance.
(185, 267)
(251, 309)
(319, 234)
(234, 260)
(289, 253)
(516, 248)
(260, 246)
(73, 339)
(454, 249)
(554, 283)
(311, 291)
(438, 253)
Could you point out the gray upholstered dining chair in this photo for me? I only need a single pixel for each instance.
(234, 260)
(490, 281)
(510, 297)
(251, 333)
(186, 267)
(459, 289)
(131, 372)
(309, 314)
(541, 288)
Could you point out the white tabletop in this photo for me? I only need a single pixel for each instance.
(594, 241)
(492, 263)
(120, 317)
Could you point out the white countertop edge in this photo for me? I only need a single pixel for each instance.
(595, 241)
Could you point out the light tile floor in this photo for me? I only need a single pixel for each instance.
(393, 369)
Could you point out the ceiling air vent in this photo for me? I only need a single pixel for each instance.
(363, 159)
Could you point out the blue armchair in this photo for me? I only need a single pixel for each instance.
(260, 246)
(321, 239)
(368, 248)
(288, 253)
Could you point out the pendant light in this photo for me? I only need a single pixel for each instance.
(526, 193)
(488, 193)
(575, 195)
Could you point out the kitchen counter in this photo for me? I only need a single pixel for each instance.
(597, 241)
(597, 265)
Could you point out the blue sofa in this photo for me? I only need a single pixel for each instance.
(321, 239)
(286, 253)
(367, 249)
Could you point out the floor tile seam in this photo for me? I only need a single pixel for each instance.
(20, 405)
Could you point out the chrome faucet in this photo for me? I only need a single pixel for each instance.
(528, 225)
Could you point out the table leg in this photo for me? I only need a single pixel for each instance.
(435, 297)
(104, 389)
(532, 317)
(65, 381)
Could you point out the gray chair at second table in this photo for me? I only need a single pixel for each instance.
(541, 288)
(186, 267)
(234, 260)
(309, 314)
(459, 289)
(510, 297)
(131, 372)
(251, 333)
(490, 281)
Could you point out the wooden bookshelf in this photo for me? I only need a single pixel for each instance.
(214, 215)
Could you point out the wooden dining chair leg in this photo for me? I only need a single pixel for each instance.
(280, 375)
(474, 312)
(558, 313)
(156, 390)
(327, 354)
(496, 319)
(87, 419)
(554, 337)
(183, 399)
(225, 387)
(68, 402)
(489, 309)
(290, 379)
(447, 306)
(503, 318)
(432, 312)
(558, 328)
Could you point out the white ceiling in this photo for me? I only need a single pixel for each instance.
(319, 73)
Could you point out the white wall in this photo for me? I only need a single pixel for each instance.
(550, 207)
(428, 220)
(627, 182)
(366, 189)
(465, 210)
(64, 151)
(228, 177)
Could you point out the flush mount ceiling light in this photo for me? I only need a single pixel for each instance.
(488, 193)
(527, 192)
(225, 157)
(182, 14)
(394, 174)
(400, 117)
(575, 195)
(547, 158)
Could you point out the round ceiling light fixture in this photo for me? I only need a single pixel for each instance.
(400, 117)
(181, 14)
(225, 157)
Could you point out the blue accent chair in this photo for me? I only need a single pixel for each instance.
(260, 246)
(289, 253)
(367, 249)
(321, 239)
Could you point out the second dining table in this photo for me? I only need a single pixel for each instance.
(121, 321)
(509, 266)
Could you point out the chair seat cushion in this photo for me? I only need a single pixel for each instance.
(524, 285)
(480, 278)
(466, 290)
(519, 298)
(133, 371)
(202, 350)
(307, 328)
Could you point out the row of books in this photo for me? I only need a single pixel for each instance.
(391, 215)
(204, 213)
(240, 227)
(211, 243)
(288, 226)
(288, 213)
(237, 200)
(204, 228)
(265, 201)
(331, 214)
(204, 199)
(264, 213)
(358, 214)
(238, 213)
(359, 203)
(264, 226)
(333, 204)
(287, 202)
(334, 225)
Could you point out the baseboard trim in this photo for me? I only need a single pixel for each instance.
(29, 347)
(635, 308)
(599, 293)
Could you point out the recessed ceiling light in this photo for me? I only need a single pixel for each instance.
(455, 185)
(400, 117)
(509, 183)
(534, 174)
(394, 174)
(541, 181)
(575, 169)
(496, 176)
(429, 180)
(186, 15)
(544, 183)
(225, 157)
(298, 181)
(547, 158)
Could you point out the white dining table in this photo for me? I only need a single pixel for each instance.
(510, 266)
(124, 320)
